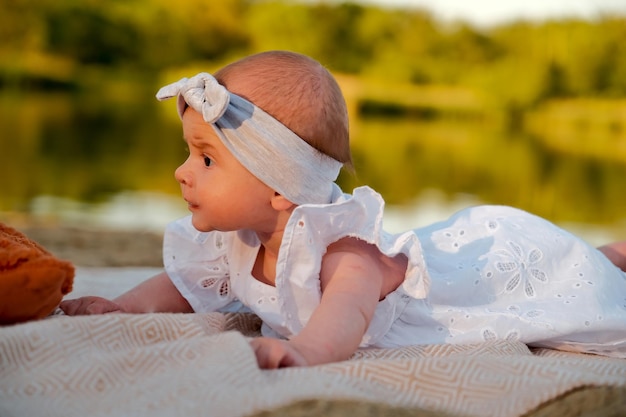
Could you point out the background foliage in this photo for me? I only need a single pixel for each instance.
(47, 43)
(527, 113)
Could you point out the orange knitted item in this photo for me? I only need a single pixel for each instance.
(32, 280)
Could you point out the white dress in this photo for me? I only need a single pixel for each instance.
(487, 272)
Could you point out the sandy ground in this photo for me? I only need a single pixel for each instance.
(99, 248)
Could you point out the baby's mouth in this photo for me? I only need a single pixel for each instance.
(191, 205)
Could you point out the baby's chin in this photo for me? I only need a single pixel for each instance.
(201, 226)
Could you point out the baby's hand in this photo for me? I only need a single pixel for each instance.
(89, 305)
(275, 353)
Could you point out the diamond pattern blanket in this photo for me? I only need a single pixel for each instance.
(201, 365)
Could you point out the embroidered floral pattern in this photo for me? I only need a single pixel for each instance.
(489, 335)
(451, 239)
(522, 269)
(216, 278)
(492, 225)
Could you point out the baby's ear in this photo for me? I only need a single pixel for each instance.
(280, 203)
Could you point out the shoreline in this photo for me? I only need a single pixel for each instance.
(89, 245)
(92, 247)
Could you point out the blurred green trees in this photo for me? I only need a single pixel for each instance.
(531, 114)
(49, 43)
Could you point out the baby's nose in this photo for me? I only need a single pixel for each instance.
(182, 174)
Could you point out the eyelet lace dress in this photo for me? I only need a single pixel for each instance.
(486, 273)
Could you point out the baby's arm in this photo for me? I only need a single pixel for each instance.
(353, 280)
(616, 252)
(157, 294)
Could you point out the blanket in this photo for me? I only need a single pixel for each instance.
(201, 365)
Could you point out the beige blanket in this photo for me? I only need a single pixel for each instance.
(201, 365)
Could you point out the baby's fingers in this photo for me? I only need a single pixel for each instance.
(267, 356)
(274, 353)
(88, 305)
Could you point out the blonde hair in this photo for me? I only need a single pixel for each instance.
(299, 92)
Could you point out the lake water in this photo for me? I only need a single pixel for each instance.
(93, 161)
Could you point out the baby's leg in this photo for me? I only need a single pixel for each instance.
(616, 252)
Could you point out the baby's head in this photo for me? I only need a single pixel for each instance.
(299, 92)
(278, 107)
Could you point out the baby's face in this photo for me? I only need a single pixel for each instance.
(220, 193)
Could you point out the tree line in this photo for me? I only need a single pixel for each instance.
(46, 43)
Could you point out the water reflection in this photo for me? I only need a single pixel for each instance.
(402, 158)
(83, 149)
(88, 160)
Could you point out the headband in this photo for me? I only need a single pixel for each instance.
(264, 146)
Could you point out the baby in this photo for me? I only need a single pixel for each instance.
(270, 232)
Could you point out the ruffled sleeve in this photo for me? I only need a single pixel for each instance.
(197, 264)
(312, 228)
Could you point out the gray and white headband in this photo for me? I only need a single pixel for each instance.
(264, 146)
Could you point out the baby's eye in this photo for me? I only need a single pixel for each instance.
(207, 161)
